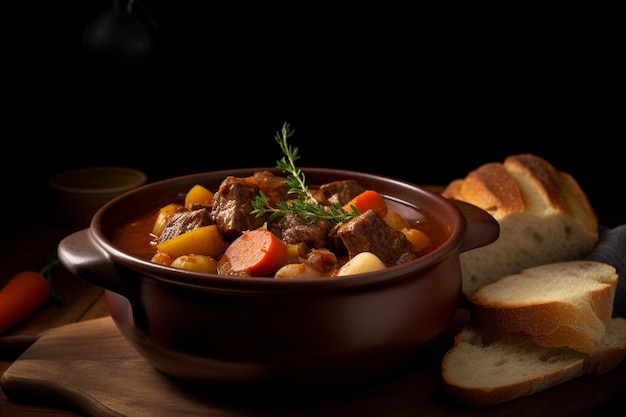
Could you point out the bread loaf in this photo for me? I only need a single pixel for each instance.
(544, 217)
(482, 369)
(565, 304)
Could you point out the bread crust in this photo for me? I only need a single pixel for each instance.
(560, 191)
(543, 214)
(491, 188)
(534, 305)
(483, 368)
(476, 370)
(534, 330)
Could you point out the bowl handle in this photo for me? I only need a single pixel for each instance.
(84, 258)
(481, 228)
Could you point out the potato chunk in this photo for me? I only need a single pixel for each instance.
(396, 221)
(164, 216)
(196, 263)
(418, 239)
(361, 263)
(206, 240)
(297, 270)
(198, 195)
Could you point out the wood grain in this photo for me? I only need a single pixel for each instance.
(88, 367)
(85, 369)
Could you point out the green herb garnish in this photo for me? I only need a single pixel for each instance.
(296, 179)
(305, 205)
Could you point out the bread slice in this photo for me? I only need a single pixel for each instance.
(543, 214)
(484, 369)
(611, 350)
(480, 370)
(558, 304)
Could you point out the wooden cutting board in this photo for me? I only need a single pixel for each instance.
(89, 367)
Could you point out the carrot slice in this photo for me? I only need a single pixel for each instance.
(22, 296)
(368, 199)
(255, 252)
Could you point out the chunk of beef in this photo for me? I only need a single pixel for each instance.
(185, 221)
(368, 232)
(232, 205)
(293, 230)
(197, 206)
(274, 186)
(322, 260)
(341, 192)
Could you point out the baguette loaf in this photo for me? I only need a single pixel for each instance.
(566, 304)
(544, 217)
(482, 369)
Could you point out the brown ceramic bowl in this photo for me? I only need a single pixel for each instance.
(80, 193)
(223, 329)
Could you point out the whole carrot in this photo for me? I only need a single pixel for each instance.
(25, 293)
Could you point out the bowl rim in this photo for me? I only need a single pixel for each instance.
(241, 284)
(137, 178)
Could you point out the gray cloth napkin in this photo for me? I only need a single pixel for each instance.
(611, 249)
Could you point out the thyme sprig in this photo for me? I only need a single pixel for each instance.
(305, 206)
(311, 212)
(296, 179)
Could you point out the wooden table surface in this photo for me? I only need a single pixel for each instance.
(27, 247)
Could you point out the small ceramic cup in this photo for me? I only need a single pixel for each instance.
(81, 192)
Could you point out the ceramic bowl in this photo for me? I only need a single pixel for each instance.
(80, 193)
(210, 328)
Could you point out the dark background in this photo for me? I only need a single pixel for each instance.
(412, 93)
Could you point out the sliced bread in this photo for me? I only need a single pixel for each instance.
(565, 304)
(543, 214)
(483, 368)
